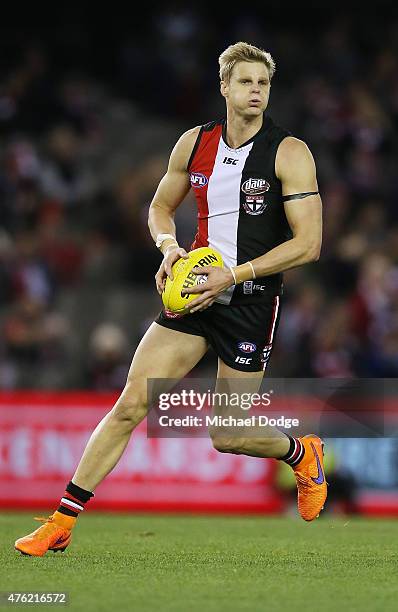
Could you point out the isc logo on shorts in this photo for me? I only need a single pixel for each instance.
(198, 179)
(243, 360)
(247, 347)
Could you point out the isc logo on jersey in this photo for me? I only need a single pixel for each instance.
(249, 287)
(198, 179)
(184, 278)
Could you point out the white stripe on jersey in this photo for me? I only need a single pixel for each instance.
(223, 198)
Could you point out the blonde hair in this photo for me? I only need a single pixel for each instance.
(243, 52)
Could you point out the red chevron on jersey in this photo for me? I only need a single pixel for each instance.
(200, 170)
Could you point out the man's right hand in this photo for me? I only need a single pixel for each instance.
(171, 255)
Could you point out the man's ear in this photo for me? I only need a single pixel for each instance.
(224, 89)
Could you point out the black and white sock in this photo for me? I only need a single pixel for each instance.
(295, 453)
(73, 500)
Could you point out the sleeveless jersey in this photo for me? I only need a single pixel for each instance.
(239, 199)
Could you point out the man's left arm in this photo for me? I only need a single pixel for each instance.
(295, 168)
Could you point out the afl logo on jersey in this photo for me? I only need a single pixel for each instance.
(247, 347)
(255, 186)
(198, 179)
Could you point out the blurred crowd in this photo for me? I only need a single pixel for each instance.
(84, 143)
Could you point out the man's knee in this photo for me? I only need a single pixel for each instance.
(227, 445)
(132, 405)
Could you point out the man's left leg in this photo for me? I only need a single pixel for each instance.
(303, 454)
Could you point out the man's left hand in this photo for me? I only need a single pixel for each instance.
(218, 279)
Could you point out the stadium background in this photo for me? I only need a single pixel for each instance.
(88, 116)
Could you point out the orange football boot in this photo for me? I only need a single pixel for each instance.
(50, 536)
(310, 478)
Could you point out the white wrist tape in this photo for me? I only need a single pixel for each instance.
(251, 265)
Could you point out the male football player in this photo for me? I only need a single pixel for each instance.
(259, 206)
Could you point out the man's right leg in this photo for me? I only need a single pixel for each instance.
(162, 353)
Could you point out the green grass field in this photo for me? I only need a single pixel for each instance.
(188, 563)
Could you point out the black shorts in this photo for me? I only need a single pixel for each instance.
(242, 336)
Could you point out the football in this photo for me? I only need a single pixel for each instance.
(184, 278)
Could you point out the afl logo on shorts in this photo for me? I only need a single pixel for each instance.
(247, 347)
(198, 179)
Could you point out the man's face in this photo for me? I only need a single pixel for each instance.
(248, 89)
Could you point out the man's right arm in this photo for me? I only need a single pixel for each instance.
(171, 191)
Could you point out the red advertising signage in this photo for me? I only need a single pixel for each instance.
(43, 435)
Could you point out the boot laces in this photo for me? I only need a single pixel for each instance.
(44, 519)
(43, 532)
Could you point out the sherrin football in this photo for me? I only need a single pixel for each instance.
(184, 278)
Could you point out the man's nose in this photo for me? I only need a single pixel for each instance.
(255, 87)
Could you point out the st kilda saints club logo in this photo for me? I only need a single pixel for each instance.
(254, 200)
